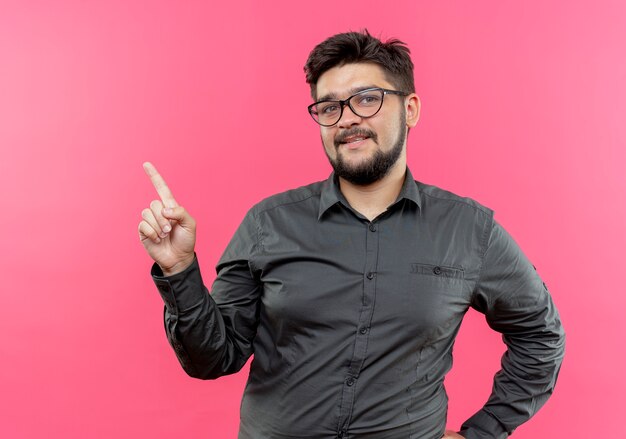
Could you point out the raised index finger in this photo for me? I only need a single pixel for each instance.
(159, 184)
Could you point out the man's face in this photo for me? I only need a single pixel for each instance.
(364, 150)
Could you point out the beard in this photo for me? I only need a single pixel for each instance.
(373, 169)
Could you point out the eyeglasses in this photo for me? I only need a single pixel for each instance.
(365, 103)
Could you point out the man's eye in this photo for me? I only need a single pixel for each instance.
(328, 108)
(369, 99)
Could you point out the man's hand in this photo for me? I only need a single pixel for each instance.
(449, 434)
(167, 231)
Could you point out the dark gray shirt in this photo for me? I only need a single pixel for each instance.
(352, 322)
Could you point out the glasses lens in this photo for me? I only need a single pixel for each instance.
(367, 103)
(326, 113)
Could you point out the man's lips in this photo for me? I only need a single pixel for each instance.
(354, 138)
(355, 143)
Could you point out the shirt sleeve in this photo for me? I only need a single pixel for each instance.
(212, 334)
(517, 304)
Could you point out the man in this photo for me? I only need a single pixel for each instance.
(350, 292)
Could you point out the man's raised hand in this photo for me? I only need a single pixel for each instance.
(167, 231)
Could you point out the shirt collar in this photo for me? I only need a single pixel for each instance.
(331, 194)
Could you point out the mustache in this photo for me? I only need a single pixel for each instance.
(341, 137)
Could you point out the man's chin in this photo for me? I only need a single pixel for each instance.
(355, 159)
(355, 168)
(358, 175)
(354, 162)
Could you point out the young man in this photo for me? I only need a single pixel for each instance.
(350, 292)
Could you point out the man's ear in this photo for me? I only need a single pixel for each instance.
(413, 105)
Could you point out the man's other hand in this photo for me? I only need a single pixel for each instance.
(167, 231)
(449, 434)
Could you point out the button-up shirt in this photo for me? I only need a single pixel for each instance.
(352, 322)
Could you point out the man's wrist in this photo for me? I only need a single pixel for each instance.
(179, 267)
(483, 424)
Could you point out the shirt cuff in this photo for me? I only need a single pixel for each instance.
(180, 291)
(483, 426)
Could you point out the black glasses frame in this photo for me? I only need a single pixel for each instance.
(344, 102)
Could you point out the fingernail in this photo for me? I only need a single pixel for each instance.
(167, 228)
(167, 211)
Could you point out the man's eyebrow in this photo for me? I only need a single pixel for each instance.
(352, 91)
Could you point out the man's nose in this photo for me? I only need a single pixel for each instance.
(348, 118)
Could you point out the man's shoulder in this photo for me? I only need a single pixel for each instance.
(290, 197)
(437, 195)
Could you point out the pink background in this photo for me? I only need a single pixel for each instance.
(523, 110)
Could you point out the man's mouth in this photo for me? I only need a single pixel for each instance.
(354, 138)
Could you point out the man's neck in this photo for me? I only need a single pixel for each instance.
(373, 199)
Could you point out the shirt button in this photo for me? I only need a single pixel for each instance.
(437, 270)
(350, 382)
(371, 275)
(372, 227)
(363, 330)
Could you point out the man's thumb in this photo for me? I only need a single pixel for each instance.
(178, 214)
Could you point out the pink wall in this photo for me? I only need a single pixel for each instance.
(523, 110)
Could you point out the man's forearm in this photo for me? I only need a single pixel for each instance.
(194, 326)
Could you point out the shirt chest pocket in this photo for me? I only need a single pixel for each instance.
(423, 302)
(435, 284)
(433, 295)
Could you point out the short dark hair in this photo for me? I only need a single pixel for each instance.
(353, 47)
